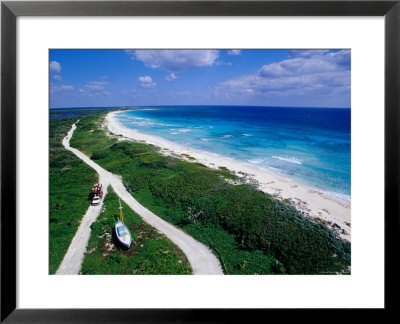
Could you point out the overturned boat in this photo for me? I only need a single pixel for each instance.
(122, 231)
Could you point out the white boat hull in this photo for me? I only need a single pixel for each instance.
(123, 234)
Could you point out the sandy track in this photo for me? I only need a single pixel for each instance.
(202, 260)
(72, 262)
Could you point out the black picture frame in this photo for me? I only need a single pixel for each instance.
(11, 10)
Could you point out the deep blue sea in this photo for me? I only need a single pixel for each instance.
(311, 145)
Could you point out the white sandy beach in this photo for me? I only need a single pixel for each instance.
(309, 201)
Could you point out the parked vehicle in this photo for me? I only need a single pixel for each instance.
(97, 190)
(96, 201)
(96, 194)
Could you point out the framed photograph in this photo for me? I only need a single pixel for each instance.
(163, 158)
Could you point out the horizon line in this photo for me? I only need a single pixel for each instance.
(147, 106)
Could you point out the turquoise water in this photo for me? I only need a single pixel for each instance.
(311, 145)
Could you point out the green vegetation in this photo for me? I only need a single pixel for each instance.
(248, 230)
(91, 139)
(70, 184)
(150, 252)
(189, 157)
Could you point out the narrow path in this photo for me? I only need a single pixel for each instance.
(72, 261)
(202, 260)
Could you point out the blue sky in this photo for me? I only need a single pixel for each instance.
(294, 78)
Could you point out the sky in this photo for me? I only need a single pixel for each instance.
(111, 78)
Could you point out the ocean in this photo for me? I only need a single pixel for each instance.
(310, 145)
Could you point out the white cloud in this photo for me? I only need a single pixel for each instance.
(308, 64)
(305, 74)
(96, 85)
(223, 63)
(291, 84)
(98, 82)
(55, 67)
(307, 53)
(146, 81)
(175, 60)
(93, 92)
(94, 88)
(171, 77)
(65, 87)
(234, 52)
(57, 77)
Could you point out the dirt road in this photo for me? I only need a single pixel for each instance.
(202, 260)
(72, 262)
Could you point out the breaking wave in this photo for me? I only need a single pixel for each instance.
(288, 159)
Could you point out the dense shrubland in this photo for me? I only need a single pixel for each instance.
(70, 181)
(150, 252)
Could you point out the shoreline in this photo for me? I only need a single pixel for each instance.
(310, 202)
